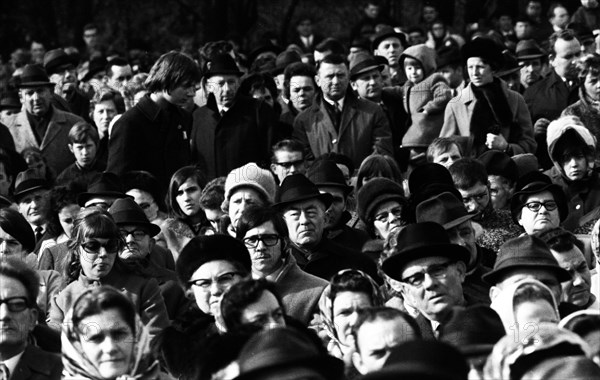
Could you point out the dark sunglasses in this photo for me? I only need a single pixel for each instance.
(93, 246)
(15, 304)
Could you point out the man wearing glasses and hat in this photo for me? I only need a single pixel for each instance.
(40, 124)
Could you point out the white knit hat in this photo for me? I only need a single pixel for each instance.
(251, 175)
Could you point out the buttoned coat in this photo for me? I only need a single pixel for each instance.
(519, 135)
(364, 129)
(36, 364)
(54, 146)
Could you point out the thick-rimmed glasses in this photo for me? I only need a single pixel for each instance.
(437, 271)
(268, 240)
(536, 206)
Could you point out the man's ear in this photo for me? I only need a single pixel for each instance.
(494, 293)
(358, 364)
(462, 270)
(354, 86)
(34, 318)
(317, 80)
(151, 245)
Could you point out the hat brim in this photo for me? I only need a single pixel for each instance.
(36, 84)
(393, 265)
(153, 229)
(326, 198)
(329, 366)
(507, 72)
(456, 222)
(35, 185)
(4, 201)
(559, 197)
(378, 39)
(84, 197)
(347, 189)
(353, 76)
(496, 275)
(530, 56)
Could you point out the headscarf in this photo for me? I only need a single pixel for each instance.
(325, 326)
(76, 365)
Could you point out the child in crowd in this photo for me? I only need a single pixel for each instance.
(83, 143)
(444, 151)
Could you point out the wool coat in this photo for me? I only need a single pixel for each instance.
(36, 364)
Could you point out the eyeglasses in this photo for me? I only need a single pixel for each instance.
(536, 206)
(222, 281)
(93, 246)
(477, 197)
(437, 271)
(15, 304)
(137, 234)
(289, 164)
(268, 239)
(382, 217)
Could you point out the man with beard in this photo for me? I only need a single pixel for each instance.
(471, 180)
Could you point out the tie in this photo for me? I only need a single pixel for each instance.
(336, 114)
(38, 233)
(223, 112)
(4, 372)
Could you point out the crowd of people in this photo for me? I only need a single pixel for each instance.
(417, 204)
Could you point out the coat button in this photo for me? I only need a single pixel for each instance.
(577, 207)
(334, 141)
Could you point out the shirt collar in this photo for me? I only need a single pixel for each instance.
(339, 102)
(11, 363)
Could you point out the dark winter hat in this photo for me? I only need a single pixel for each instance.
(419, 240)
(204, 249)
(56, 60)
(327, 173)
(285, 59)
(222, 64)
(499, 163)
(525, 251)
(34, 76)
(375, 192)
(10, 101)
(95, 66)
(387, 33)
(483, 48)
(448, 55)
(534, 183)
(145, 181)
(363, 63)
(107, 185)
(444, 209)
(528, 49)
(15, 224)
(28, 181)
(266, 48)
(297, 188)
(427, 174)
(126, 211)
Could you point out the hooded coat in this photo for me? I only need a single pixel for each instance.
(583, 195)
(425, 101)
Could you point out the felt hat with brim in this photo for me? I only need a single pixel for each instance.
(509, 66)
(422, 360)
(444, 209)
(106, 185)
(534, 183)
(484, 48)
(387, 33)
(56, 60)
(473, 330)
(528, 49)
(363, 63)
(427, 174)
(4, 201)
(222, 64)
(95, 66)
(126, 212)
(28, 181)
(282, 348)
(10, 101)
(448, 55)
(419, 240)
(34, 75)
(525, 251)
(327, 173)
(297, 188)
(499, 163)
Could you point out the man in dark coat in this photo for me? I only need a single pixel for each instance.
(231, 130)
(154, 135)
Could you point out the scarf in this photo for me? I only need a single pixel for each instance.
(491, 112)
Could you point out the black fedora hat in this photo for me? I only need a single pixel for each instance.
(448, 55)
(297, 188)
(327, 173)
(419, 240)
(484, 48)
(57, 59)
(28, 181)
(363, 63)
(126, 211)
(285, 348)
(222, 64)
(387, 33)
(444, 209)
(9, 100)
(34, 75)
(96, 65)
(427, 174)
(499, 163)
(525, 251)
(533, 183)
(528, 49)
(107, 184)
(509, 65)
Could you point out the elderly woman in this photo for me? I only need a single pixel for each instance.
(486, 110)
(92, 261)
(105, 340)
(381, 204)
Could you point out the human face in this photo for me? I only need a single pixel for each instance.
(121, 75)
(65, 79)
(429, 14)
(211, 280)
(146, 201)
(476, 199)
(108, 342)
(10, 247)
(532, 312)
(452, 75)
(103, 114)
(369, 85)
(97, 264)
(35, 161)
(188, 197)
(534, 9)
(84, 152)
(564, 59)
(302, 92)
(305, 221)
(36, 100)
(386, 76)
(33, 206)
(575, 166)
(376, 339)
(522, 30)
(66, 217)
(15, 326)
(505, 23)
(372, 10)
(542, 220)
(337, 208)
(592, 87)
(240, 200)
(346, 308)
(386, 217)
(214, 217)
(577, 290)
(560, 17)
(286, 163)
(416, 38)
(438, 29)
(224, 88)
(5, 180)
(480, 72)
(138, 242)
(543, 275)
(265, 312)
(435, 297)
(500, 191)
(333, 80)
(589, 3)
(304, 28)
(90, 37)
(181, 95)
(531, 71)
(390, 48)
(447, 158)
(464, 235)
(265, 259)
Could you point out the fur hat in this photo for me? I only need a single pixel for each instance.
(375, 192)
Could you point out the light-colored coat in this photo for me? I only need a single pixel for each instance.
(54, 145)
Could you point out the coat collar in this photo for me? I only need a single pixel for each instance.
(148, 107)
(32, 360)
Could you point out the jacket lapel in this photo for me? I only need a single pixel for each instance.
(348, 113)
(325, 122)
(54, 127)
